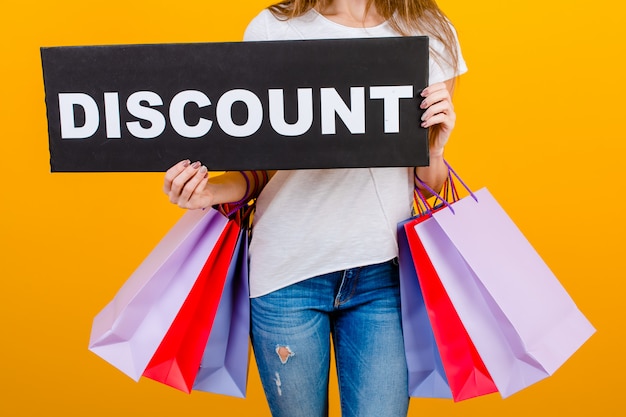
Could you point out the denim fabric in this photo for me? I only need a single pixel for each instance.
(291, 330)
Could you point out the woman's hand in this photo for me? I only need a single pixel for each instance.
(186, 185)
(439, 115)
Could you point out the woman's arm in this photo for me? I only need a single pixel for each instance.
(440, 118)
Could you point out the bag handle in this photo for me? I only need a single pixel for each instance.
(422, 199)
(424, 208)
(449, 186)
(450, 170)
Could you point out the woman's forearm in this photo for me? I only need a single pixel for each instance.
(236, 186)
(433, 175)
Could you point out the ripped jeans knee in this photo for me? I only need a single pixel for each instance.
(284, 353)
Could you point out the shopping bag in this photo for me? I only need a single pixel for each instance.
(177, 359)
(522, 321)
(129, 329)
(427, 378)
(224, 366)
(465, 371)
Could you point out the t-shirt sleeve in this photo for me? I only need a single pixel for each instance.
(257, 29)
(440, 62)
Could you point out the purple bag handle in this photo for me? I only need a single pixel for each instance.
(437, 195)
(433, 192)
(418, 198)
(460, 180)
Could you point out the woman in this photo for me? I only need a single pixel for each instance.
(323, 252)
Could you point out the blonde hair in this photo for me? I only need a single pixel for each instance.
(405, 16)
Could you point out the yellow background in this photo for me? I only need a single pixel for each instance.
(539, 122)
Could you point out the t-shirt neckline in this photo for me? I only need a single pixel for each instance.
(344, 27)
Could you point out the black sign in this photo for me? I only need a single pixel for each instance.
(237, 105)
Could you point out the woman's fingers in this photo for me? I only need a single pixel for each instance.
(186, 185)
(441, 112)
(172, 173)
(439, 120)
(436, 96)
(438, 106)
(192, 189)
(179, 182)
(198, 198)
(433, 88)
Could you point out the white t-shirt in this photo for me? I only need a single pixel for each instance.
(312, 222)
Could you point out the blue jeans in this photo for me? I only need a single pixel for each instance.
(291, 331)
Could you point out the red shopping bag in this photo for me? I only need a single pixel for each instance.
(465, 371)
(177, 359)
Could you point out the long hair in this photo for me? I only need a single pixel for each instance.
(405, 16)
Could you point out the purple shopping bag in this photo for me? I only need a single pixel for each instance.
(427, 378)
(520, 318)
(128, 331)
(224, 366)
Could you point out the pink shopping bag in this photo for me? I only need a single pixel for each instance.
(128, 331)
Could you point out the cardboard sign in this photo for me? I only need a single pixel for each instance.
(237, 105)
